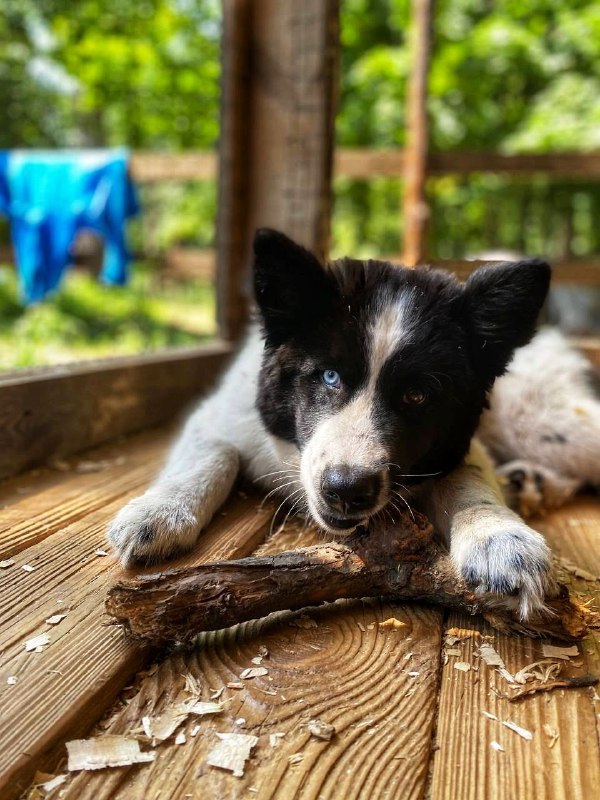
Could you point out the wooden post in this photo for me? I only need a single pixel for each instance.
(276, 157)
(416, 210)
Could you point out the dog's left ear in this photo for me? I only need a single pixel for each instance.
(502, 307)
(291, 287)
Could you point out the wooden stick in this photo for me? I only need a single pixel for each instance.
(403, 562)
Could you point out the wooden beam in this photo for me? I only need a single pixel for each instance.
(153, 166)
(232, 243)
(366, 163)
(279, 71)
(53, 411)
(415, 208)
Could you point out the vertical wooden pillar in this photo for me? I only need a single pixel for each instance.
(416, 210)
(277, 136)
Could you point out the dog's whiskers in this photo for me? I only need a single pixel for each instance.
(278, 489)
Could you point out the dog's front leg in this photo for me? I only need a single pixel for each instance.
(493, 549)
(200, 471)
(168, 517)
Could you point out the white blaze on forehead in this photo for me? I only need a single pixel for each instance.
(389, 326)
(350, 436)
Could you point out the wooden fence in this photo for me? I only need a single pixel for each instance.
(359, 163)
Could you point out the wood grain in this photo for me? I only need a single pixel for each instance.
(365, 163)
(63, 690)
(343, 669)
(465, 766)
(54, 411)
(415, 207)
(37, 506)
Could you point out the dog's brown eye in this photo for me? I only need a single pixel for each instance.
(414, 397)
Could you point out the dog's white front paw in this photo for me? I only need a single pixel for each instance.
(504, 556)
(152, 528)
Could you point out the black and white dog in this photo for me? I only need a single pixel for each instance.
(361, 390)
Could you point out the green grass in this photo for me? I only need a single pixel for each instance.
(86, 319)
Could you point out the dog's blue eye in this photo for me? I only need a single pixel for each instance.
(331, 379)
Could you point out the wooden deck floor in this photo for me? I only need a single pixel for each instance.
(408, 723)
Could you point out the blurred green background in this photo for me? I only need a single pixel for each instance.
(506, 75)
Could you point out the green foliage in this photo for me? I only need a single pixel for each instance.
(508, 75)
(88, 320)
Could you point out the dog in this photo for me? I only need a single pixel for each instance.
(358, 391)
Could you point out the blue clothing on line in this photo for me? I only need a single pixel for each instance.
(51, 195)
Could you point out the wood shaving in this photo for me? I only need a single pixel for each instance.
(160, 728)
(100, 552)
(393, 623)
(452, 651)
(216, 693)
(563, 683)
(295, 758)
(200, 708)
(105, 751)
(180, 738)
(463, 666)
(303, 622)
(253, 672)
(552, 734)
(195, 730)
(38, 643)
(55, 619)
(232, 752)
(550, 651)
(523, 732)
(454, 635)
(27, 568)
(489, 715)
(491, 657)
(544, 671)
(320, 729)
(193, 685)
(257, 660)
(274, 738)
(263, 651)
(235, 685)
(50, 786)
(497, 747)
(413, 674)
(240, 721)
(6, 563)
(11, 680)
(362, 627)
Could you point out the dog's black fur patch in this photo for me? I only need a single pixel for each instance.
(460, 338)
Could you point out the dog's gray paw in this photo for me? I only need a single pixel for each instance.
(511, 561)
(532, 489)
(152, 528)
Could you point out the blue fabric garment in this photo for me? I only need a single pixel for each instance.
(51, 195)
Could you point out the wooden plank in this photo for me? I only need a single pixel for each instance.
(232, 213)
(154, 166)
(62, 691)
(366, 163)
(35, 507)
(415, 206)
(185, 263)
(343, 669)
(53, 411)
(277, 135)
(465, 765)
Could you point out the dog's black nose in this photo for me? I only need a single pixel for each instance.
(350, 490)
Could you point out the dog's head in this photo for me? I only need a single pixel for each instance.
(378, 373)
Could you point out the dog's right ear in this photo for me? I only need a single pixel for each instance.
(291, 286)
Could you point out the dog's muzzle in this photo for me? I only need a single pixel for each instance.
(349, 494)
